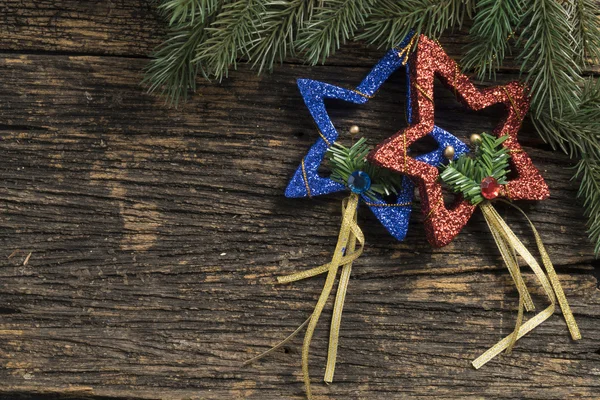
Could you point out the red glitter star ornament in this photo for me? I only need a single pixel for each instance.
(428, 61)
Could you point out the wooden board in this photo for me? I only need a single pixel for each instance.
(153, 236)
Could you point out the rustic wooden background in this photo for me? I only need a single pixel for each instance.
(139, 243)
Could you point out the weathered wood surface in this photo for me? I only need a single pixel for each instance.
(155, 236)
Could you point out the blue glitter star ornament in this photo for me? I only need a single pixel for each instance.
(306, 182)
(351, 170)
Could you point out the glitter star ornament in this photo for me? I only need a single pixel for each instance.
(429, 60)
(478, 178)
(307, 182)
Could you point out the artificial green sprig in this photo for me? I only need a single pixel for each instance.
(465, 174)
(343, 161)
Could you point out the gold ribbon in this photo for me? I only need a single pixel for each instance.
(346, 252)
(344, 255)
(509, 246)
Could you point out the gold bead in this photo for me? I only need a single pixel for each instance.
(449, 152)
(354, 130)
(475, 138)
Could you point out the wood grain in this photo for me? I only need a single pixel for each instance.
(156, 234)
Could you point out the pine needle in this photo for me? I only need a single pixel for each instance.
(548, 58)
(333, 22)
(186, 11)
(586, 30)
(588, 170)
(391, 20)
(276, 35)
(172, 71)
(578, 134)
(494, 23)
(230, 36)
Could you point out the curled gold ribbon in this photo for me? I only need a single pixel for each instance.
(344, 255)
(509, 246)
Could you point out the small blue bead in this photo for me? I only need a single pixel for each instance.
(359, 182)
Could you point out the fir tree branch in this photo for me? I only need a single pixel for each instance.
(576, 131)
(588, 170)
(182, 12)
(276, 35)
(332, 23)
(586, 30)
(494, 23)
(548, 58)
(391, 20)
(578, 134)
(491, 158)
(230, 35)
(172, 71)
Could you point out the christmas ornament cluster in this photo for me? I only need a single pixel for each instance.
(491, 167)
(556, 42)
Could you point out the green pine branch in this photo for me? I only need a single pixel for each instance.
(187, 11)
(588, 170)
(229, 36)
(275, 37)
(560, 38)
(548, 58)
(173, 70)
(586, 30)
(577, 133)
(460, 176)
(494, 23)
(332, 23)
(392, 20)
